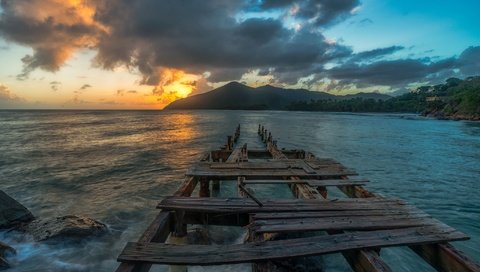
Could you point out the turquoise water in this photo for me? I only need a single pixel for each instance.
(115, 166)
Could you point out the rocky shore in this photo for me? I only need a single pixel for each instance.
(455, 117)
(14, 216)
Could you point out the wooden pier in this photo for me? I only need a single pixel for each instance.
(282, 230)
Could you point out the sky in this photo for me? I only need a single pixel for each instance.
(144, 54)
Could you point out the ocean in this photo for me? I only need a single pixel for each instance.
(115, 166)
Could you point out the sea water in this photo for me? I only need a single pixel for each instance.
(115, 166)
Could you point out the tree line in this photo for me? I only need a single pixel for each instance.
(454, 97)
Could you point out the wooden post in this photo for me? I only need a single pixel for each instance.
(237, 134)
(244, 156)
(229, 143)
(180, 227)
(215, 187)
(259, 129)
(204, 187)
(239, 190)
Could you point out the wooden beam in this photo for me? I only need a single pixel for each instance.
(322, 214)
(337, 223)
(281, 249)
(232, 174)
(444, 257)
(311, 182)
(356, 191)
(250, 195)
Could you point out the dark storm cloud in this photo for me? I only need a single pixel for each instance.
(320, 12)
(375, 54)
(198, 36)
(389, 73)
(203, 36)
(397, 73)
(469, 61)
(260, 31)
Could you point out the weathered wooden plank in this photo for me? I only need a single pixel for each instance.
(232, 174)
(281, 249)
(344, 203)
(247, 165)
(311, 182)
(267, 170)
(275, 181)
(271, 164)
(242, 219)
(314, 160)
(341, 223)
(322, 214)
(337, 182)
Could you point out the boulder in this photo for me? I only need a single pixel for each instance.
(12, 213)
(69, 226)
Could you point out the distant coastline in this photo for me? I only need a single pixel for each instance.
(456, 99)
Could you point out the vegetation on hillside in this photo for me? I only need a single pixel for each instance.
(455, 99)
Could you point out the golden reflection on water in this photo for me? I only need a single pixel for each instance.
(181, 127)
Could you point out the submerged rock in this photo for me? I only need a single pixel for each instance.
(4, 264)
(198, 236)
(4, 250)
(69, 226)
(12, 213)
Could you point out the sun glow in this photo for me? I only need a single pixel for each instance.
(174, 84)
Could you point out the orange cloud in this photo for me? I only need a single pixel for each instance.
(55, 29)
(174, 84)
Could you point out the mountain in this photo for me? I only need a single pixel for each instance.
(236, 96)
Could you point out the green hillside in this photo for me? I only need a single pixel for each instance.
(455, 99)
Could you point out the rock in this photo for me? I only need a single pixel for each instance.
(198, 236)
(12, 213)
(4, 250)
(4, 264)
(69, 226)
